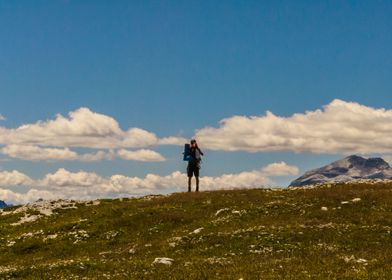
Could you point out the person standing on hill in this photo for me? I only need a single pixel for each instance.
(194, 164)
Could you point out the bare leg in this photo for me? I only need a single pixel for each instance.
(197, 184)
(189, 183)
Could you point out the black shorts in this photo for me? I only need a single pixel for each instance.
(193, 169)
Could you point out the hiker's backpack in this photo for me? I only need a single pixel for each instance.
(187, 152)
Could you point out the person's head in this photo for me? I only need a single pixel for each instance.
(193, 143)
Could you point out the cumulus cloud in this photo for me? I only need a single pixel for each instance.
(137, 138)
(280, 169)
(387, 158)
(65, 184)
(178, 141)
(151, 183)
(252, 179)
(82, 128)
(140, 155)
(2, 118)
(36, 153)
(339, 127)
(14, 178)
(10, 196)
(65, 178)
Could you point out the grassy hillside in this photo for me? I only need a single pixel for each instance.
(338, 231)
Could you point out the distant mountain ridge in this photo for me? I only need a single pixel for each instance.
(2, 204)
(348, 169)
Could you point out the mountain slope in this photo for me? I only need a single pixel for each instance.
(347, 169)
(342, 231)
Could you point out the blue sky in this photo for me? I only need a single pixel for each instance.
(174, 67)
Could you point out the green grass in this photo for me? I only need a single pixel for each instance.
(262, 234)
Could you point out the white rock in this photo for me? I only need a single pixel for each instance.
(26, 219)
(11, 243)
(221, 210)
(51, 236)
(45, 207)
(26, 235)
(356, 199)
(196, 231)
(166, 261)
(324, 208)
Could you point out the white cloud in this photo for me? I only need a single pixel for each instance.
(387, 158)
(14, 178)
(151, 183)
(178, 141)
(252, 179)
(82, 128)
(12, 197)
(99, 155)
(340, 127)
(140, 155)
(65, 184)
(137, 138)
(51, 140)
(2, 118)
(36, 153)
(65, 178)
(280, 169)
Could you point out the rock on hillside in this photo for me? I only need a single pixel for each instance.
(347, 169)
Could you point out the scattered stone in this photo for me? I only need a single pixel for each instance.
(93, 203)
(27, 219)
(79, 235)
(221, 210)
(7, 269)
(111, 234)
(165, 261)
(44, 207)
(50, 236)
(196, 231)
(27, 235)
(324, 208)
(352, 259)
(216, 260)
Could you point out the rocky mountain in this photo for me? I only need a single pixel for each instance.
(347, 169)
(2, 204)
